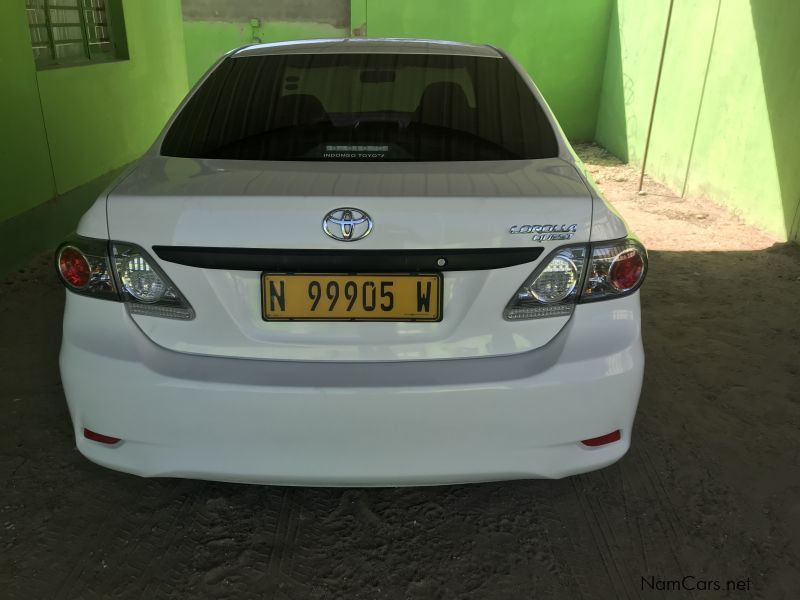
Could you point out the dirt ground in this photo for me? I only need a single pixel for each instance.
(710, 490)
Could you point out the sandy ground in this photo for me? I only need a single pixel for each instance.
(710, 489)
(664, 220)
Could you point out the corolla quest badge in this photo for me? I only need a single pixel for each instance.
(347, 224)
(546, 233)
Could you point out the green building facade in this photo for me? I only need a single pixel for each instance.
(726, 124)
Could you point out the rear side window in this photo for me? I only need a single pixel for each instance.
(362, 107)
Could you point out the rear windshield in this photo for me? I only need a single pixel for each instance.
(363, 107)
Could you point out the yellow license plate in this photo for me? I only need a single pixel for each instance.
(335, 297)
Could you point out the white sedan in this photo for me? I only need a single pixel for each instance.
(354, 262)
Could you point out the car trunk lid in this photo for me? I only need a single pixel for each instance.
(498, 218)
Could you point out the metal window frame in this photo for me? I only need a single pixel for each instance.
(90, 55)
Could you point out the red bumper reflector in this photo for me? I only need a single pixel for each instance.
(614, 436)
(99, 437)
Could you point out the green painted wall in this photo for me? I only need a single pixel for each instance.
(44, 226)
(64, 127)
(358, 18)
(25, 175)
(629, 77)
(206, 41)
(102, 116)
(65, 132)
(561, 44)
(726, 123)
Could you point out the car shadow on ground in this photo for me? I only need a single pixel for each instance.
(709, 489)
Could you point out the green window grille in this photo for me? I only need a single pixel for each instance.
(65, 32)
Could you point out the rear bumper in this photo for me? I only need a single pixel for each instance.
(365, 424)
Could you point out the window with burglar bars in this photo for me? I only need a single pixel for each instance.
(66, 32)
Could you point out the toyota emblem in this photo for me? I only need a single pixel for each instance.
(347, 224)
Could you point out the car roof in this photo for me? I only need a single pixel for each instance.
(368, 46)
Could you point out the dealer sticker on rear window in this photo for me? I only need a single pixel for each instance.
(355, 151)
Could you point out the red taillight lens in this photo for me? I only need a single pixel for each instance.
(84, 268)
(617, 268)
(626, 270)
(74, 267)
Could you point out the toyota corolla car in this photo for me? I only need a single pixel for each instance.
(354, 262)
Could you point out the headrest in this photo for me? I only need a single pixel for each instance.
(444, 104)
(298, 109)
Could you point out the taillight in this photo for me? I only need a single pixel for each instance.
(615, 269)
(74, 267)
(575, 274)
(552, 288)
(145, 286)
(85, 267)
(82, 265)
(626, 270)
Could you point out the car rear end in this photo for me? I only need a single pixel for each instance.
(354, 263)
